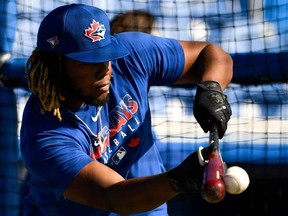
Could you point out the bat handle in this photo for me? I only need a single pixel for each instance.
(214, 141)
(213, 188)
(214, 138)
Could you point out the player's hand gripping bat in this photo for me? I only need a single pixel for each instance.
(213, 187)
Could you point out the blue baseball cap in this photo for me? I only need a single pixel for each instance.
(79, 32)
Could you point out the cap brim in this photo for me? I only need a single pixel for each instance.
(102, 54)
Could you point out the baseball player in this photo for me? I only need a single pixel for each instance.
(86, 136)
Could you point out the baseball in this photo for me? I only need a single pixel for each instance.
(236, 180)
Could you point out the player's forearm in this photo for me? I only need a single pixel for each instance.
(100, 187)
(139, 194)
(206, 62)
(215, 64)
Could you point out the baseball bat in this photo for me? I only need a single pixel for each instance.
(213, 187)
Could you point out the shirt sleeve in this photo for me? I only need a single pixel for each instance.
(160, 59)
(56, 160)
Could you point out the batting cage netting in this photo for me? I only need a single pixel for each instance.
(254, 33)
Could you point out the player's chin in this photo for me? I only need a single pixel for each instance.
(100, 100)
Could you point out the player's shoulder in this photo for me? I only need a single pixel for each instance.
(132, 38)
(140, 38)
(132, 35)
(139, 41)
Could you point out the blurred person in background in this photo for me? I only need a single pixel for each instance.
(134, 20)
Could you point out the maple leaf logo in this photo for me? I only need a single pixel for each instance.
(96, 32)
(134, 142)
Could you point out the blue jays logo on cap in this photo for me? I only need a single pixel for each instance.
(53, 41)
(79, 32)
(96, 32)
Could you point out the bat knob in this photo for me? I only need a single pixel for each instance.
(213, 191)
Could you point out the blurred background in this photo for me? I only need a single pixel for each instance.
(253, 32)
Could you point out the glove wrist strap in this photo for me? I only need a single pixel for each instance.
(210, 86)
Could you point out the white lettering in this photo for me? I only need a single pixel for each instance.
(123, 134)
(105, 157)
(129, 126)
(137, 121)
(116, 142)
(109, 150)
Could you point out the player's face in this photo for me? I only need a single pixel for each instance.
(86, 83)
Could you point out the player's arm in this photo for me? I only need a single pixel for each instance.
(206, 62)
(101, 187)
(211, 68)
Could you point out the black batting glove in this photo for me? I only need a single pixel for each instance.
(211, 106)
(188, 176)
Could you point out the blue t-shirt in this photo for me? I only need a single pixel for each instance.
(121, 137)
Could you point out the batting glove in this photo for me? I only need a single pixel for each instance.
(188, 176)
(211, 106)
